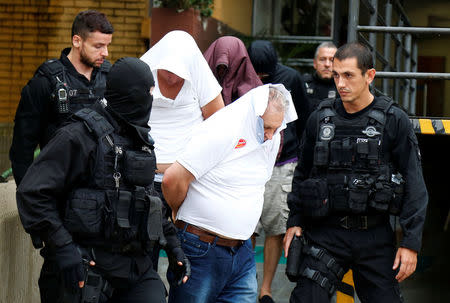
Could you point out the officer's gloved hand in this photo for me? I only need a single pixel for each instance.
(70, 262)
(179, 265)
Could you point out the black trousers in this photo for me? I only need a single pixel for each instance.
(369, 253)
(144, 288)
(167, 213)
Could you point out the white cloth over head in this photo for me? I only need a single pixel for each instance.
(172, 121)
(231, 166)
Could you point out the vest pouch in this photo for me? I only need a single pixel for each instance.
(84, 213)
(314, 197)
(154, 230)
(117, 217)
(335, 153)
(338, 192)
(346, 153)
(382, 196)
(362, 148)
(359, 189)
(321, 153)
(139, 167)
(398, 189)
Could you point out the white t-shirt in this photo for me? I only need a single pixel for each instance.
(231, 166)
(172, 121)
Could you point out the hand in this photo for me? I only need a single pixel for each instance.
(70, 262)
(407, 259)
(179, 265)
(295, 230)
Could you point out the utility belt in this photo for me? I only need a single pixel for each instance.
(116, 220)
(355, 194)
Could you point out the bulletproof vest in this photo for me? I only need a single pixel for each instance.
(350, 172)
(317, 91)
(118, 208)
(70, 94)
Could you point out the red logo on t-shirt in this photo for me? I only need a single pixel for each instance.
(241, 143)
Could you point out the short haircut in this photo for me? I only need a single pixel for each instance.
(277, 100)
(356, 50)
(327, 44)
(90, 21)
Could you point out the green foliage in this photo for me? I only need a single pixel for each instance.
(204, 6)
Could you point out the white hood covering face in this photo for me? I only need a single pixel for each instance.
(178, 53)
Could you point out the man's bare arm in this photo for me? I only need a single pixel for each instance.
(212, 107)
(175, 185)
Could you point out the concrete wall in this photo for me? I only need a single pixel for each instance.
(20, 263)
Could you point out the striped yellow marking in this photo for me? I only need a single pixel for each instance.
(343, 298)
(446, 126)
(426, 127)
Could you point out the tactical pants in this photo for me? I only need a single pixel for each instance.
(167, 213)
(146, 288)
(369, 253)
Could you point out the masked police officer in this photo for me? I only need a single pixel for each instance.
(359, 163)
(89, 196)
(60, 87)
(320, 84)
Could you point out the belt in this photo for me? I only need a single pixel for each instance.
(206, 236)
(357, 222)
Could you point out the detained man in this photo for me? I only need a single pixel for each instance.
(216, 188)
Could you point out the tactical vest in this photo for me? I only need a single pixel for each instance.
(70, 94)
(315, 92)
(118, 210)
(350, 173)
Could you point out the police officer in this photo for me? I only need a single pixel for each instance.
(320, 84)
(360, 162)
(89, 196)
(60, 87)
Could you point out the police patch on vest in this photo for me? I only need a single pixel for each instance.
(326, 132)
(331, 94)
(371, 131)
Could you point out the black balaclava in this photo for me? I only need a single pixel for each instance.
(128, 93)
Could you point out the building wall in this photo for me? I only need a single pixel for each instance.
(32, 31)
(433, 14)
(237, 14)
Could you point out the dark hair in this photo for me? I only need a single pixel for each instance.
(356, 50)
(91, 21)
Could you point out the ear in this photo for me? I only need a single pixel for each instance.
(76, 41)
(370, 75)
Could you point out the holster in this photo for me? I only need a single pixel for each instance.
(295, 258)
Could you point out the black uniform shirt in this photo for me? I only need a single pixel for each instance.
(34, 115)
(318, 89)
(66, 163)
(400, 142)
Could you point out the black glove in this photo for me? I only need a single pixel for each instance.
(179, 271)
(70, 262)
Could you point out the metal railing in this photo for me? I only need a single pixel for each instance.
(405, 37)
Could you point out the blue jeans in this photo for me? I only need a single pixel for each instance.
(219, 273)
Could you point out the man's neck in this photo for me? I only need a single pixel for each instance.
(358, 104)
(80, 67)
